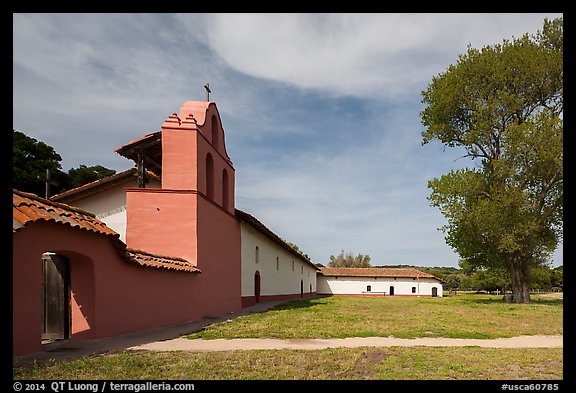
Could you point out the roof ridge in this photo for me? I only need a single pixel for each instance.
(48, 202)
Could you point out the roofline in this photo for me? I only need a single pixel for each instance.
(260, 227)
(419, 273)
(99, 185)
(49, 202)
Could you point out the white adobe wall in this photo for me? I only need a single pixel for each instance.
(110, 206)
(358, 286)
(282, 278)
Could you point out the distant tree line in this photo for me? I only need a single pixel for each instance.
(466, 278)
(30, 160)
(348, 259)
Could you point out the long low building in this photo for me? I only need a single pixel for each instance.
(377, 282)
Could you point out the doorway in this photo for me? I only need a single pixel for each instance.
(434, 292)
(301, 288)
(257, 286)
(56, 316)
(391, 291)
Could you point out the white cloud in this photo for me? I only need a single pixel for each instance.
(378, 55)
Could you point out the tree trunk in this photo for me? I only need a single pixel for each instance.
(520, 293)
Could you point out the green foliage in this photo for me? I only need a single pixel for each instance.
(31, 158)
(297, 249)
(504, 105)
(87, 174)
(347, 259)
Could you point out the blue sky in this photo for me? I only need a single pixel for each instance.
(321, 111)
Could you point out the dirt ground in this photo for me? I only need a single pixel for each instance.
(200, 345)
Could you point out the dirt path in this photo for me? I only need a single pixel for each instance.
(200, 345)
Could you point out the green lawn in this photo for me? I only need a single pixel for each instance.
(394, 363)
(461, 316)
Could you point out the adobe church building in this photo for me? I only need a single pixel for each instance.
(159, 244)
(156, 245)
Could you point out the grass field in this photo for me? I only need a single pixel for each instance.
(412, 363)
(463, 316)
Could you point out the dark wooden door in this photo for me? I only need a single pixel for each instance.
(434, 291)
(391, 291)
(55, 297)
(257, 287)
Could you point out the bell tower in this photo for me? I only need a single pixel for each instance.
(193, 215)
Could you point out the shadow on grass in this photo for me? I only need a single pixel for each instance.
(301, 303)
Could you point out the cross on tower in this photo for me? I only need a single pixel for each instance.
(208, 91)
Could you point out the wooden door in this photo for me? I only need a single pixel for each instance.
(257, 287)
(55, 297)
(434, 291)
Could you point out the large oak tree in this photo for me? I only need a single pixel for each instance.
(504, 105)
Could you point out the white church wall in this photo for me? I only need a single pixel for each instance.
(281, 273)
(342, 285)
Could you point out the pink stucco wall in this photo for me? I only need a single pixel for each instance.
(162, 221)
(109, 295)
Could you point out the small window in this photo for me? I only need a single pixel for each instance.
(302, 267)
(277, 264)
(369, 288)
(292, 265)
(413, 289)
(209, 176)
(257, 256)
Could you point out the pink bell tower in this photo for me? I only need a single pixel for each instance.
(193, 215)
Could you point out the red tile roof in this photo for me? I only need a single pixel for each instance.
(375, 272)
(160, 261)
(100, 185)
(256, 224)
(28, 208)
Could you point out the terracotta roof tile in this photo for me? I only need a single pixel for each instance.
(255, 223)
(100, 185)
(160, 261)
(375, 272)
(28, 208)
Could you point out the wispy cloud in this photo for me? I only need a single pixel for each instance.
(321, 111)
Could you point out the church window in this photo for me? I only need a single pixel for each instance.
(292, 265)
(209, 176)
(277, 264)
(257, 255)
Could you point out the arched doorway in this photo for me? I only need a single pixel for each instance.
(56, 315)
(391, 291)
(434, 292)
(301, 288)
(257, 286)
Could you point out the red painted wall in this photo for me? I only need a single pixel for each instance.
(162, 222)
(112, 296)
